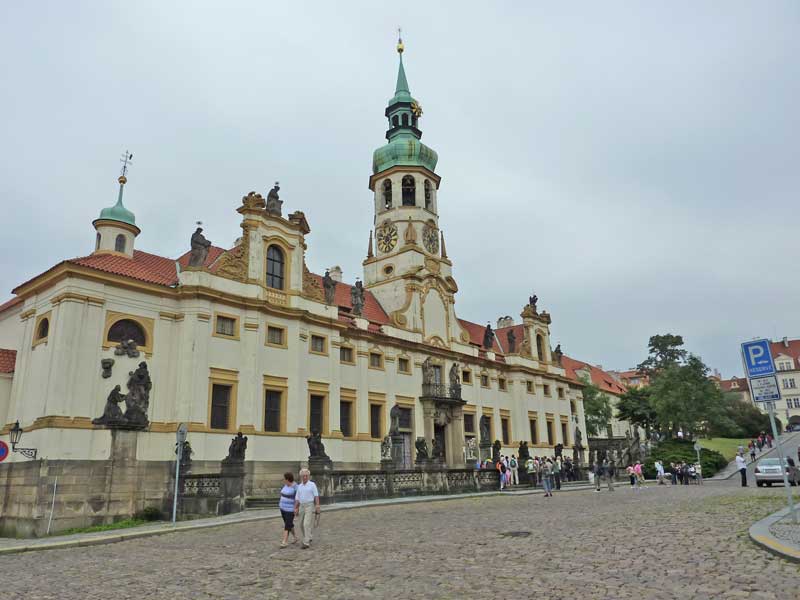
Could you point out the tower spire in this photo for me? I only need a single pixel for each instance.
(126, 159)
(402, 83)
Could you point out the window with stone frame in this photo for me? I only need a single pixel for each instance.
(404, 419)
(387, 194)
(119, 243)
(403, 365)
(272, 410)
(484, 380)
(561, 393)
(564, 433)
(466, 376)
(501, 384)
(127, 329)
(546, 390)
(318, 344)
(346, 355)
(225, 326)
(505, 429)
(469, 423)
(220, 406)
(375, 418)
(275, 267)
(275, 336)
(43, 330)
(428, 196)
(529, 386)
(375, 360)
(551, 434)
(316, 413)
(346, 418)
(534, 426)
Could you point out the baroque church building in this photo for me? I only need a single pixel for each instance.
(248, 340)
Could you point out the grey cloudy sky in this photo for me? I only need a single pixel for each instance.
(633, 163)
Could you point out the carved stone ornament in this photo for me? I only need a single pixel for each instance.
(329, 285)
(316, 449)
(126, 348)
(312, 288)
(386, 448)
(410, 235)
(137, 401)
(237, 449)
(106, 364)
(422, 449)
(253, 200)
(273, 202)
(234, 263)
(199, 248)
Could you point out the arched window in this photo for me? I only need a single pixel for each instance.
(275, 267)
(395, 121)
(43, 330)
(540, 346)
(428, 195)
(97, 242)
(409, 191)
(119, 243)
(387, 193)
(405, 120)
(127, 329)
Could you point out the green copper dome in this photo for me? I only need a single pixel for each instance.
(404, 146)
(118, 212)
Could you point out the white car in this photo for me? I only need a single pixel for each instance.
(768, 471)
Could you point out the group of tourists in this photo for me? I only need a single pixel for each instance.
(299, 500)
(764, 440)
(545, 471)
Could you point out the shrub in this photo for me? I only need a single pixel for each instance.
(149, 513)
(675, 451)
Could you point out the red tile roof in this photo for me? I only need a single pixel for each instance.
(599, 377)
(372, 311)
(476, 332)
(791, 348)
(10, 304)
(727, 385)
(8, 359)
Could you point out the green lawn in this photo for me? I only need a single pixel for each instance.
(124, 524)
(725, 446)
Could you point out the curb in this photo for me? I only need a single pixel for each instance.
(199, 524)
(760, 535)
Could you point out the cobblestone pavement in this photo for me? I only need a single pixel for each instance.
(663, 542)
(786, 530)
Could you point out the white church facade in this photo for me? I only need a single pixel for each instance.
(248, 340)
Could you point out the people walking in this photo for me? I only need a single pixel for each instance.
(659, 472)
(753, 452)
(637, 470)
(673, 472)
(698, 469)
(608, 473)
(741, 464)
(514, 470)
(286, 506)
(530, 469)
(556, 473)
(501, 474)
(306, 506)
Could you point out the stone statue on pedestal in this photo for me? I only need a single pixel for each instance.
(496, 451)
(237, 449)
(274, 203)
(394, 420)
(422, 449)
(329, 285)
(523, 453)
(137, 400)
(199, 245)
(112, 413)
(557, 354)
(437, 452)
(512, 341)
(484, 425)
(488, 337)
(316, 449)
(386, 448)
(357, 297)
(532, 301)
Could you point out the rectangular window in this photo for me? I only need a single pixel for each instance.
(346, 418)
(564, 435)
(318, 344)
(546, 390)
(534, 431)
(275, 336)
(469, 423)
(375, 360)
(405, 419)
(484, 381)
(797, 402)
(501, 383)
(789, 384)
(346, 355)
(220, 406)
(272, 410)
(529, 386)
(437, 374)
(466, 376)
(561, 393)
(551, 434)
(316, 408)
(226, 326)
(375, 411)
(506, 433)
(403, 365)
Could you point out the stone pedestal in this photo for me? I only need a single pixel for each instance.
(485, 450)
(320, 465)
(397, 451)
(231, 487)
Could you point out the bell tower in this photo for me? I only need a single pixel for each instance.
(407, 267)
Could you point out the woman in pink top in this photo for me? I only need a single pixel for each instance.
(637, 470)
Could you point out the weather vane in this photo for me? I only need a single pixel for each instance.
(400, 46)
(126, 159)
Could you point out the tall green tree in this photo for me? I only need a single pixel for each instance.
(634, 406)
(664, 351)
(683, 397)
(597, 409)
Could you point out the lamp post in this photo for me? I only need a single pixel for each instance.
(15, 435)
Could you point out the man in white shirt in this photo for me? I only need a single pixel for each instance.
(741, 464)
(306, 505)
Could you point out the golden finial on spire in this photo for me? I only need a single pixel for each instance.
(400, 46)
(126, 159)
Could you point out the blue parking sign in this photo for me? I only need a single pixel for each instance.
(757, 359)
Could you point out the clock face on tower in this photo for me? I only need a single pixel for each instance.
(386, 237)
(430, 237)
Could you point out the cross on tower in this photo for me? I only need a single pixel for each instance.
(126, 159)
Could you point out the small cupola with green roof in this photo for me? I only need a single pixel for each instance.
(116, 226)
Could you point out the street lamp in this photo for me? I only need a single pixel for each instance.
(15, 435)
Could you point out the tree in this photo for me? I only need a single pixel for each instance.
(683, 397)
(596, 409)
(739, 419)
(634, 406)
(664, 351)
